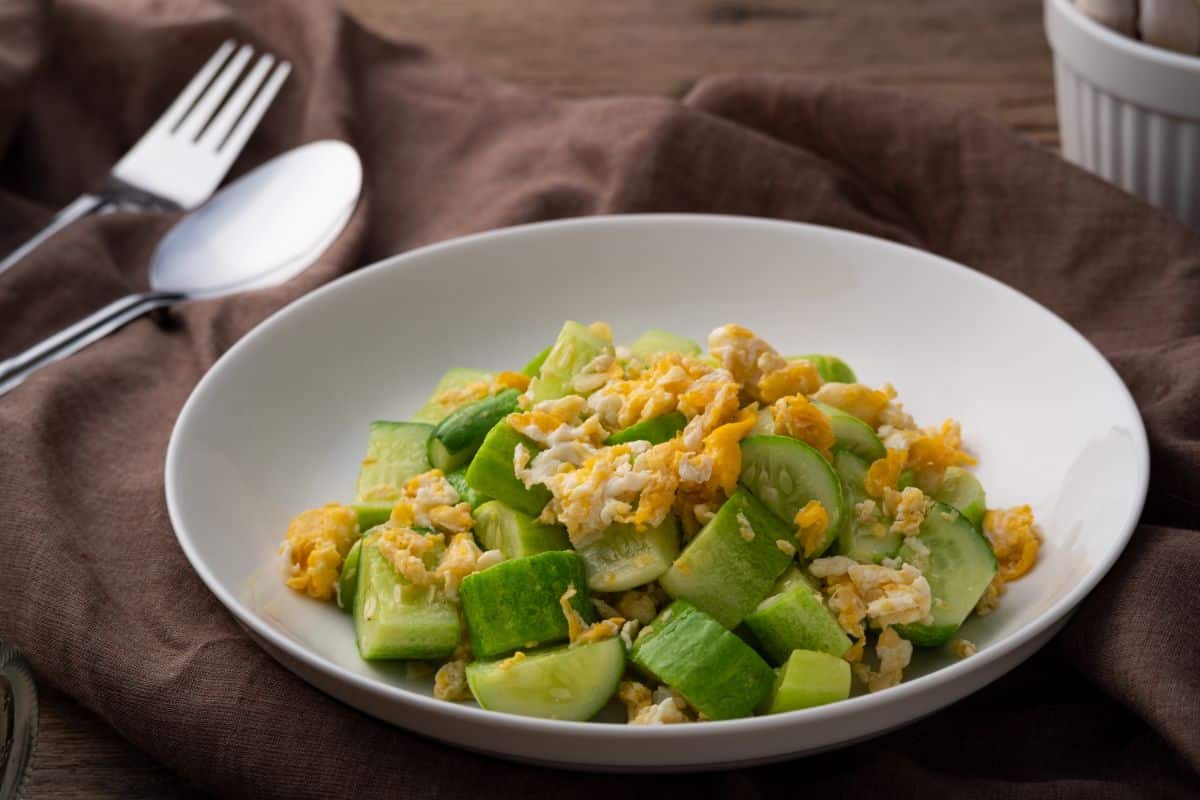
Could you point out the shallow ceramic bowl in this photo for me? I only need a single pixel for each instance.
(279, 425)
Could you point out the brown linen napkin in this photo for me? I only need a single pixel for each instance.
(94, 588)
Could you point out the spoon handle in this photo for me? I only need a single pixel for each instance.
(79, 335)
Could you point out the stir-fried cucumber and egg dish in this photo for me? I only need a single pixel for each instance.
(699, 536)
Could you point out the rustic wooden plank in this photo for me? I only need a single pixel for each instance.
(991, 57)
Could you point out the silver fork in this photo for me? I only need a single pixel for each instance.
(181, 160)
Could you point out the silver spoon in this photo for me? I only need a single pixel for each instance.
(261, 230)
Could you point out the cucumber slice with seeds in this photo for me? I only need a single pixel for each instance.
(571, 683)
(624, 557)
(656, 341)
(395, 453)
(851, 433)
(730, 567)
(959, 567)
(491, 472)
(517, 535)
(808, 679)
(458, 436)
(796, 619)
(785, 474)
(717, 673)
(574, 349)
(859, 540)
(654, 431)
(394, 619)
(434, 412)
(515, 604)
(962, 490)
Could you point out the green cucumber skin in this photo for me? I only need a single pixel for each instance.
(372, 513)
(397, 451)
(517, 535)
(458, 436)
(721, 573)
(855, 540)
(563, 682)
(718, 673)
(434, 412)
(831, 368)
(851, 433)
(514, 605)
(574, 348)
(796, 620)
(808, 679)
(654, 431)
(656, 341)
(961, 565)
(458, 479)
(962, 490)
(534, 366)
(624, 557)
(347, 585)
(821, 483)
(420, 625)
(491, 471)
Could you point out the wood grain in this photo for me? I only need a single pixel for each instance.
(991, 57)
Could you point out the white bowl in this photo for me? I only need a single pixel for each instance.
(1127, 111)
(279, 425)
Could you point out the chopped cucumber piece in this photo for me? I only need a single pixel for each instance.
(794, 576)
(372, 513)
(395, 453)
(656, 340)
(860, 540)
(515, 604)
(535, 364)
(808, 679)
(347, 584)
(434, 412)
(960, 567)
(624, 557)
(394, 619)
(831, 368)
(458, 479)
(458, 436)
(851, 433)
(963, 491)
(717, 673)
(785, 474)
(563, 682)
(907, 478)
(730, 566)
(796, 619)
(574, 349)
(654, 431)
(492, 474)
(517, 535)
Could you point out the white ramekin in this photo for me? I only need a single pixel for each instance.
(1127, 111)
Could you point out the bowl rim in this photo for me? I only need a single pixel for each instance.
(598, 731)
(1135, 47)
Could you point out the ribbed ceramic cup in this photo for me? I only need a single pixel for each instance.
(18, 722)
(1127, 111)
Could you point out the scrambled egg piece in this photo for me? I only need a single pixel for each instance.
(796, 417)
(765, 375)
(991, 597)
(854, 398)
(450, 682)
(908, 507)
(317, 543)
(1015, 540)
(660, 707)
(895, 653)
(934, 449)
(429, 501)
(453, 399)
(655, 391)
(812, 521)
(884, 595)
(637, 605)
(579, 632)
(596, 373)
(412, 554)
(963, 648)
(885, 472)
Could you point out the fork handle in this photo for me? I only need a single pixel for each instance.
(81, 207)
(75, 337)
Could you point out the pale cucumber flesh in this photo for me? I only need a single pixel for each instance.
(624, 557)
(785, 474)
(857, 539)
(434, 412)
(347, 584)
(394, 619)
(656, 341)
(517, 535)
(962, 490)
(808, 679)
(396, 451)
(576, 346)
(797, 619)
(570, 683)
(851, 433)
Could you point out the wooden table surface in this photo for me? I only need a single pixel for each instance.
(991, 57)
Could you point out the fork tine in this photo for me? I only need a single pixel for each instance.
(194, 122)
(222, 123)
(183, 102)
(228, 150)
